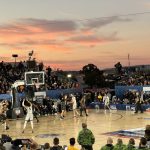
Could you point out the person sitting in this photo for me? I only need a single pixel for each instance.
(130, 145)
(46, 146)
(147, 135)
(56, 144)
(72, 143)
(2, 147)
(142, 144)
(119, 145)
(109, 145)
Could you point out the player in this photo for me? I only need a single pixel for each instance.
(29, 116)
(106, 102)
(3, 116)
(83, 105)
(74, 105)
(63, 106)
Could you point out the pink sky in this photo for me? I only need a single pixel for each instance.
(69, 43)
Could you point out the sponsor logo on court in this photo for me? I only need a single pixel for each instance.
(134, 133)
(49, 135)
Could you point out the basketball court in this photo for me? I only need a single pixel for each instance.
(123, 124)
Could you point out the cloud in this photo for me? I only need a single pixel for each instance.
(101, 22)
(33, 26)
(145, 4)
(15, 46)
(14, 28)
(94, 39)
(51, 25)
(39, 42)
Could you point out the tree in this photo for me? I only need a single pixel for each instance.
(93, 76)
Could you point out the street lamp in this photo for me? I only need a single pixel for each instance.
(15, 56)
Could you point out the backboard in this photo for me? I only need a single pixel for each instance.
(34, 77)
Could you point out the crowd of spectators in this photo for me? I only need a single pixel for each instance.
(85, 139)
(10, 72)
(134, 79)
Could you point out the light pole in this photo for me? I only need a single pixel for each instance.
(15, 56)
(69, 78)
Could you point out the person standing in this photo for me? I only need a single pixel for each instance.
(35, 111)
(3, 114)
(138, 104)
(63, 106)
(83, 105)
(74, 105)
(86, 138)
(106, 102)
(29, 116)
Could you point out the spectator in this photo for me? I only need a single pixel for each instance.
(109, 145)
(2, 147)
(147, 132)
(56, 144)
(86, 138)
(72, 143)
(46, 146)
(142, 144)
(33, 145)
(119, 145)
(147, 135)
(130, 145)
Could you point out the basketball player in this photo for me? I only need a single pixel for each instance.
(106, 102)
(83, 105)
(35, 110)
(63, 106)
(138, 104)
(3, 115)
(74, 105)
(29, 116)
(36, 86)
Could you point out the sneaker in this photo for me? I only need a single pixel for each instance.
(7, 128)
(61, 118)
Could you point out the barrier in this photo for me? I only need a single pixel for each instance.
(55, 94)
(93, 105)
(5, 96)
(120, 90)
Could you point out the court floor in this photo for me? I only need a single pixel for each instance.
(98, 121)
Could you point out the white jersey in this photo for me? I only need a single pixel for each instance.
(29, 110)
(106, 100)
(1, 106)
(74, 102)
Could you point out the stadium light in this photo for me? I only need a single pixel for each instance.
(15, 56)
(69, 75)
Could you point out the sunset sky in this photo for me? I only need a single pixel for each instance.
(68, 34)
